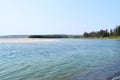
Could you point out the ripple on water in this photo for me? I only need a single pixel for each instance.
(86, 59)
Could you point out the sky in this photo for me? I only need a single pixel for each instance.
(19, 17)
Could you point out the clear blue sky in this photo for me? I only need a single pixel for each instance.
(57, 16)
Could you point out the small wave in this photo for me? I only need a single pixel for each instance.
(107, 73)
(116, 78)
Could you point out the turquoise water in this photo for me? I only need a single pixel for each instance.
(63, 60)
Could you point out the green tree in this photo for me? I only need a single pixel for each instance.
(111, 32)
(117, 31)
(86, 34)
(104, 33)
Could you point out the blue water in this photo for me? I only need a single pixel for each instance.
(67, 59)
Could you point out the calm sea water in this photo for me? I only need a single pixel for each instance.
(68, 59)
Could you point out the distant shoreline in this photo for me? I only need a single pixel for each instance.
(106, 38)
(12, 40)
(27, 40)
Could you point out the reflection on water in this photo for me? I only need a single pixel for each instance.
(67, 59)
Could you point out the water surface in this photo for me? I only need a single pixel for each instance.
(67, 59)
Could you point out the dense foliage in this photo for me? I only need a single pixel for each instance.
(103, 33)
(48, 36)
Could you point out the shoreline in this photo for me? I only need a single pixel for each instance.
(27, 40)
(101, 38)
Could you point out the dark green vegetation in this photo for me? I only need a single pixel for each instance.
(56, 36)
(113, 33)
(106, 34)
(48, 36)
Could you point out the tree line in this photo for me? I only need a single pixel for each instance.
(103, 33)
(48, 36)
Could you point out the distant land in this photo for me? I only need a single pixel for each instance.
(105, 34)
(15, 36)
(40, 36)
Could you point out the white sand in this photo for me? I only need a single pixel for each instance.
(26, 40)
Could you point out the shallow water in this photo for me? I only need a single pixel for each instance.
(62, 60)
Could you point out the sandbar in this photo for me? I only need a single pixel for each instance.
(27, 40)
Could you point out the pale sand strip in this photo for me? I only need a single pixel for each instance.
(27, 40)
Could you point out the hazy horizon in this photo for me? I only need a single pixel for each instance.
(26, 17)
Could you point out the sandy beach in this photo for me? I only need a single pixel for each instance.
(26, 40)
